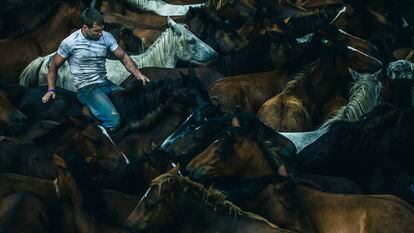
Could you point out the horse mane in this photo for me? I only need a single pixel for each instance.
(155, 51)
(300, 25)
(151, 100)
(362, 100)
(133, 44)
(210, 197)
(93, 201)
(241, 60)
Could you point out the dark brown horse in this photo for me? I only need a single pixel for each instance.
(373, 152)
(11, 119)
(26, 212)
(74, 183)
(19, 17)
(171, 197)
(120, 204)
(44, 40)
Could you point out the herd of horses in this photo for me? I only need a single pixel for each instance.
(261, 116)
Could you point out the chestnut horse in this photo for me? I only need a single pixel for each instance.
(44, 40)
(299, 106)
(298, 205)
(170, 197)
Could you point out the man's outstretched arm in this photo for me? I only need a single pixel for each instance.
(130, 65)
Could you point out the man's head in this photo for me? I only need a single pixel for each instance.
(93, 24)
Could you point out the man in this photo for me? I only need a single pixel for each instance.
(86, 51)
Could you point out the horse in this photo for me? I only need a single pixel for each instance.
(18, 18)
(42, 41)
(120, 204)
(383, 134)
(219, 35)
(400, 75)
(28, 100)
(325, 76)
(26, 212)
(12, 121)
(74, 183)
(175, 43)
(160, 7)
(206, 75)
(365, 95)
(300, 205)
(247, 91)
(125, 37)
(171, 195)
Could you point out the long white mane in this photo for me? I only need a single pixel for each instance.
(162, 8)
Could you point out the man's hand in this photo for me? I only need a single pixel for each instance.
(143, 78)
(47, 96)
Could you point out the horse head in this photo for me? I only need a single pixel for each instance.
(191, 48)
(11, 119)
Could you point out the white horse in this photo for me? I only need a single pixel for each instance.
(364, 97)
(162, 8)
(402, 69)
(175, 43)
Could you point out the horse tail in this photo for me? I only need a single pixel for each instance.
(30, 75)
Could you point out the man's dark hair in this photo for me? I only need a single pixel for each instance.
(91, 16)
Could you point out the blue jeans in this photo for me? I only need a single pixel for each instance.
(95, 96)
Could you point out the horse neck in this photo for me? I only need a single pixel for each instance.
(18, 183)
(60, 26)
(362, 100)
(161, 54)
(215, 220)
(259, 166)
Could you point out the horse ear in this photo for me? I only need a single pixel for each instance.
(355, 75)
(174, 170)
(378, 73)
(170, 21)
(287, 20)
(236, 136)
(174, 26)
(235, 122)
(59, 161)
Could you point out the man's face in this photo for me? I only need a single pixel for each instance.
(93, 33)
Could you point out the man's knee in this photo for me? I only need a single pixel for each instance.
(113, 122)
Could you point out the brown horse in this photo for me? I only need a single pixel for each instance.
(310, 210)
(247, 91)
(25, 212)
(299, 106)
(19, 17)
(74, 183)
(121, 204)
(11, 119)
(171, 197)
(24, 49)
(240, 154)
